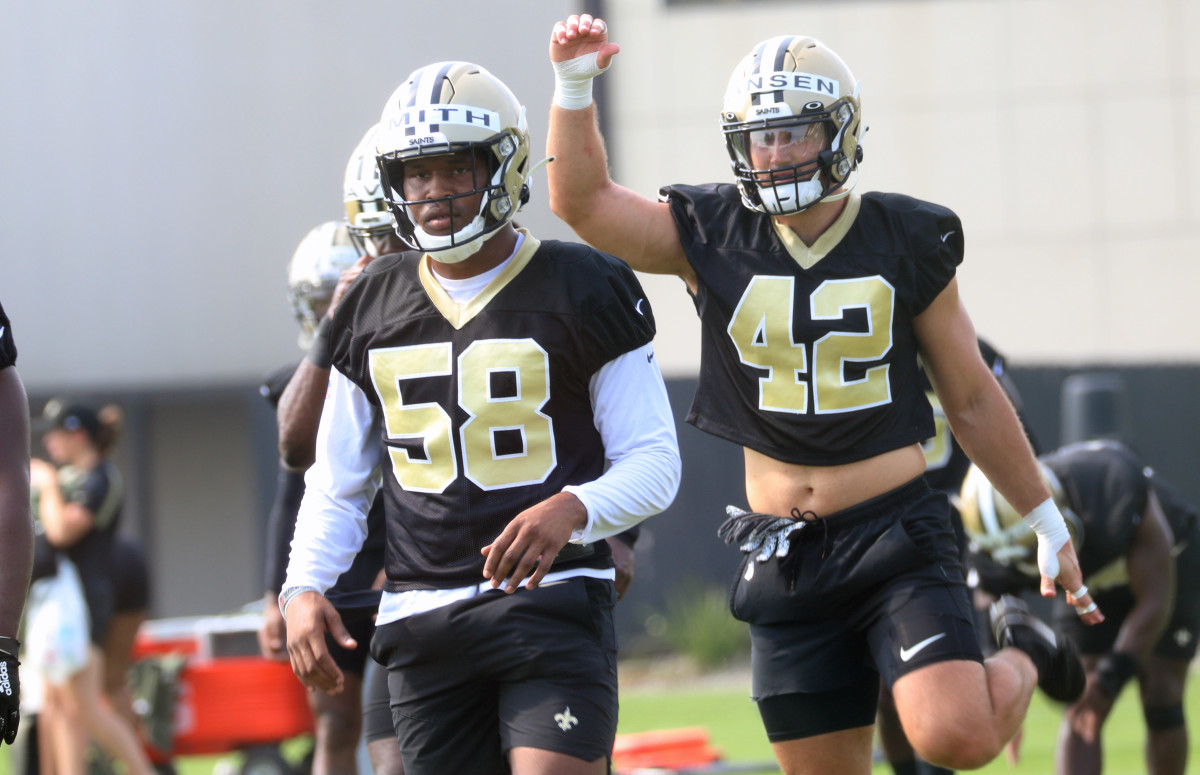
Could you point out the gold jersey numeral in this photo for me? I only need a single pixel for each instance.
(939, 446)
(507, 441)
(762, 326)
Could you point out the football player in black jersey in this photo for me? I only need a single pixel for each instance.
(1138, 541)
(814, 304)
(502, 392)
(322, 267)
(16, 526)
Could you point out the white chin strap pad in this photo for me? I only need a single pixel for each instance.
(452, 248)
(790, 198)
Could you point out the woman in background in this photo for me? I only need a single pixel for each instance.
(79, 497)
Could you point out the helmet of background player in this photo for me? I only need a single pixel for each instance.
(785, 88)
(367, 215)
(319, 260)
(447, 108)
(995, 528)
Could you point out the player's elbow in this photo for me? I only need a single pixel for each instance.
(571, 209)
(295, 456)
(669, 472)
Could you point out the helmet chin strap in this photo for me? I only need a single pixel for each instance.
(791, 197)
(794, 197)
(446, 249)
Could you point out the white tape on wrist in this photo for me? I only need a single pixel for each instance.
(573, 81)
(1051, 529)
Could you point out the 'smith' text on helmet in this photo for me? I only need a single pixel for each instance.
(430, 118)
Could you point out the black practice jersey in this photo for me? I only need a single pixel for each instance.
(101, 491)
(1107, 487)
(486, 406)
(353, 588)
(946, 464)
(8, 348)
(814, 365)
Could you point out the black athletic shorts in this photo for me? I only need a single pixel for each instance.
(874, 590)
(1179, 637)
(471, 680)
(377, 704)
(361, 624)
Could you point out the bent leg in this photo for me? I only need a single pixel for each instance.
(536, 761)
(110, 730)
(377, 727)
(846, 752)
(1162, 682)
(823, 732)
(338, 725)
(959, 714)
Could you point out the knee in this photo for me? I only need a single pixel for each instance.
(338, 730)
(957, 747)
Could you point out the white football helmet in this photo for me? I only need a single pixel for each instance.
(995, 528)
(450, 107)
(367, 215)
(319, 260)
(785, 89)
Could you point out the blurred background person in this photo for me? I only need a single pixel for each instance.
(79, 498)
(1139, 548)
(16, 527)
(131, 606)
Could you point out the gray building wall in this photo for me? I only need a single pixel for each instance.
(162, 160)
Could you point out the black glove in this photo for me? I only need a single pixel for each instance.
(10, 690)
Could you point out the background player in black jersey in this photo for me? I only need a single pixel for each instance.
(523, 420)
(16, 526)
(1139, 546)
(320, 270)
(814, 305)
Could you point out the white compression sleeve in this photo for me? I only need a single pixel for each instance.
(634, 418)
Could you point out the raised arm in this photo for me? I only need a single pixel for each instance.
(299, 411)
(613, 218)
(986, 425)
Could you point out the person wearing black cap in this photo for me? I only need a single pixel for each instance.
(78, 501)
(16, 527)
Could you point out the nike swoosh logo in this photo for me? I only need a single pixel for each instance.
(946, 236)
(907, 654)
(638, 307)
(649, 357)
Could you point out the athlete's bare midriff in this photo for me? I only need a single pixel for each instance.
(776, 487)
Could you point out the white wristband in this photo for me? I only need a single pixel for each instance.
(1051, 529)
(573, 81)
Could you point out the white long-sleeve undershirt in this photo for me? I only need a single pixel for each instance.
(632, 415)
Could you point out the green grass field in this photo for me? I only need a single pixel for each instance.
(733, 727)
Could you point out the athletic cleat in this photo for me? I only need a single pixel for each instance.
(1060, 670)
